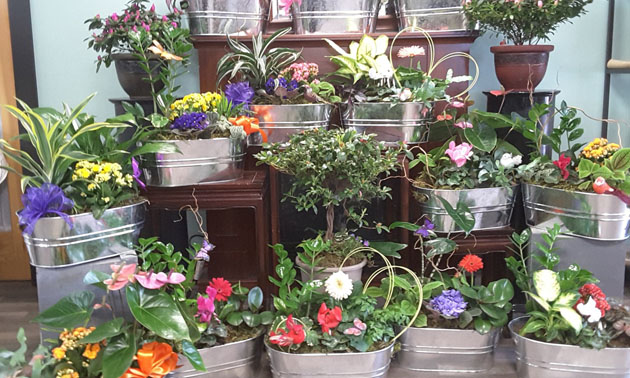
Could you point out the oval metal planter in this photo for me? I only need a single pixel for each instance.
(399, 122)
(233, 17)
(590, 215)
(200, 161)
(279, 122)
(431, 15)
(446, 350)
(240, 359)
(55, 244)
(537, 359)
(491, 207)
(318, 365)
(334, 16)
(353, 271)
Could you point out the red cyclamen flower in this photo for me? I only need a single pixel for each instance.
(562, 163)
(294, 334)
(471, 263)
(223, 288)
(328, 318)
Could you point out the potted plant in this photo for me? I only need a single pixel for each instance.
(333, 17)
(392, 102)
(430, 15)
(239, 17)
(339, 331)
(461, 319)
(472, 169)
(82, 205)
(333, 169)
(285, 96)
(570, 327)
(586, 189)
(119, 37)
(522, 66)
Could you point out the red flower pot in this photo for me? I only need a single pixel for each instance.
(521, 67)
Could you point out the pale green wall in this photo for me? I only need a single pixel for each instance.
(66, 70)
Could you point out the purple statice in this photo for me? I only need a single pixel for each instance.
(425, 228)
(39, 202)
(449, 303)
(190, 121)
(239, 93)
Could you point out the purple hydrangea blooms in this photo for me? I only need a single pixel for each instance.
(239, 93)
(449, 303)
(39, 202)
(191, 121)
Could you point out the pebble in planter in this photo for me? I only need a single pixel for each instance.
(571, 329)
(340, 332)
(473, 170)
(286, 97)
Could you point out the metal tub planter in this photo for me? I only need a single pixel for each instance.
(431, 14)
(491, 207)
(400, 122)
(199, 161)
(590, 215)
(334, 16)
(537, 359)
(233, 17)
(240, 359)
(279, 122)
(446, 350)
(318, 365)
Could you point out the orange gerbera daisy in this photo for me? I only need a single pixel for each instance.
(471, 263)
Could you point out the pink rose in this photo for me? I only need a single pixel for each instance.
(459, 154)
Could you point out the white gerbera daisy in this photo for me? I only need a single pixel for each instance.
(411, 51)
(339, 285)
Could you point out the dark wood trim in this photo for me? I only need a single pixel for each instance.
(23, 53)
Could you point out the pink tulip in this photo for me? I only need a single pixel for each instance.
(122, 274)
(459, 154)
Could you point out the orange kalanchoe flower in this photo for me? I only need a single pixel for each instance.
(471, 263)
(249, 124)
(155, 360)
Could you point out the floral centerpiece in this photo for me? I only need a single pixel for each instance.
(334, 170)
(525, 23)
(566, 310)
(280, 91)
(375, 88)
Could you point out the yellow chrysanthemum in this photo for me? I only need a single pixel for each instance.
(59, 353)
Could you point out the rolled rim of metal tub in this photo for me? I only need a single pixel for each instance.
(333, 16)
(241, 17)
(431, 14)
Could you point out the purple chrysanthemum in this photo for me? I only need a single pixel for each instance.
(191, 121)
(239, 93)
(425, 228)
(449, 303)
(39, 202)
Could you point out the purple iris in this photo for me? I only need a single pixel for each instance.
(39, 202)
(204, 252)
(239, 93)
(425, 228)
(449, 303)
(137, 172)
(190, 121)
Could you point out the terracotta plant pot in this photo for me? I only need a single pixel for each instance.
(521, 67)
(132, 78)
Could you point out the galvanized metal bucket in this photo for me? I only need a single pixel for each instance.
(446, 350)
(431, 15)
(334, 16)
(491, 207)
(200, 161)
(590, 215)
(400, 122)
(318, 365)
(353, 271)
(537, 359)
(240, 359)
(233, 17)
(279, 122)
(54, 243)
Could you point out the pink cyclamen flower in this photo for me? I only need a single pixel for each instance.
(122, 274)
(359, 327)
(463, 125)
(459, 154)
(457, 104)
(205, 309)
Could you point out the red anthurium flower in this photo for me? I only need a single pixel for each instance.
(600, 186)
(471, 263)
(562, 163)
(294, 334)
(223, 288)
(328, 318)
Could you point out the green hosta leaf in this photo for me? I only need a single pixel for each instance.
(71, 311)
(482, 136)
(572, 317)
(104, 331)
(193, 356)
(118, 355)
(157, 311)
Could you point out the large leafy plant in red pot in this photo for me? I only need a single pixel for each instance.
(522, 66)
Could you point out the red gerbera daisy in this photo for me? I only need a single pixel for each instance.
(223, 288)
(471, 263)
